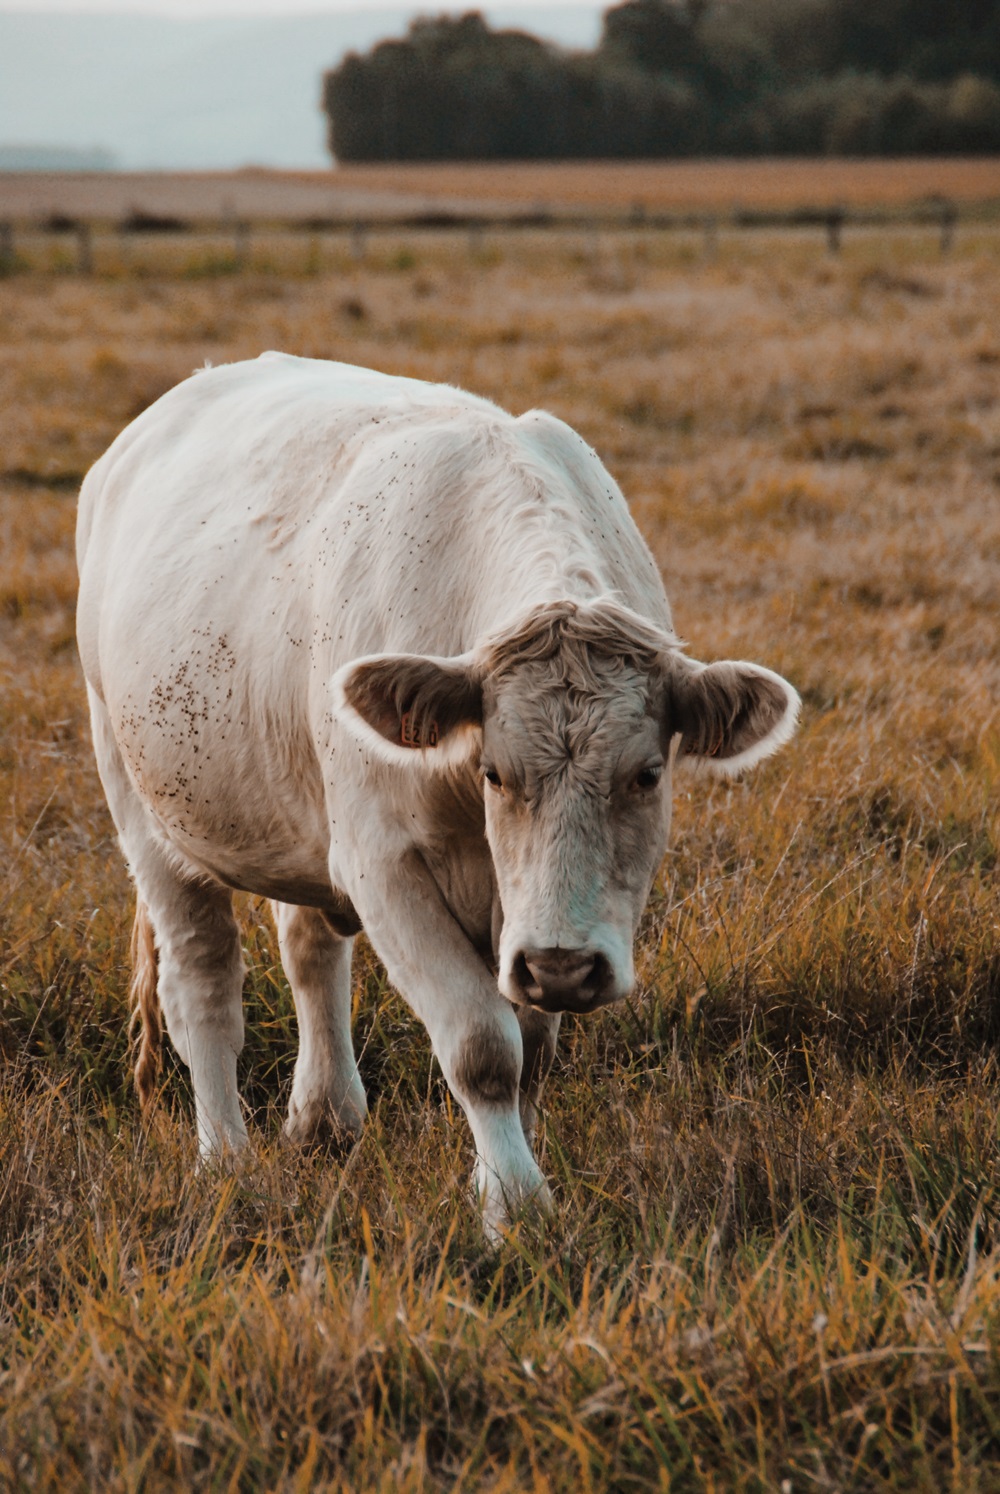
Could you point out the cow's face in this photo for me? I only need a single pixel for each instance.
(576, 780)
(572, 720)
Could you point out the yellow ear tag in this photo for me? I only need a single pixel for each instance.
(410, 736)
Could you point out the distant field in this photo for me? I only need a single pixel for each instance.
(775, 1266)
(349, 192)
(693, 185)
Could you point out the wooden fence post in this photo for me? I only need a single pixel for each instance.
(6, 245)
(359, 241)
(834, 224)
(949, 217)
(592, 241)
(84, 248)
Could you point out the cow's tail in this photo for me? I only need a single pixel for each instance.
(146, 1027)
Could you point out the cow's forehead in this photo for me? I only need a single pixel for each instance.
(590, 706)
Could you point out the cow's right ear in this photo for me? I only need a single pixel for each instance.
(402, 705)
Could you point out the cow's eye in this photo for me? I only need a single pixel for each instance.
(493, 778)
(647, 778)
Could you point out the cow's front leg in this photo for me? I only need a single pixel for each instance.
(481, 1060)
(473, 1029)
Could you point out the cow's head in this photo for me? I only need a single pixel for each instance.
(574, 718)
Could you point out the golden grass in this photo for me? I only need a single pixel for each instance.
(774, 1264)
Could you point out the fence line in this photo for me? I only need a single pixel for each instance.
(939, 213)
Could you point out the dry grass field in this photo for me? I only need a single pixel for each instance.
(775, 1265)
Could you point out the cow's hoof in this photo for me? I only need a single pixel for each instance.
(223, 1149)
(504, 1205)
(318, 1126)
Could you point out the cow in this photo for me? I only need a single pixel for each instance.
(380, 652)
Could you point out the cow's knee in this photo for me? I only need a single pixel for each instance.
(487, 1066)
(486, 1076)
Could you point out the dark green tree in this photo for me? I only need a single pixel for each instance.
(680, 77)
(654, 35)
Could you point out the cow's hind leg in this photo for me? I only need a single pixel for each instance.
(200, 987)
(328, 1098)
(198, 965)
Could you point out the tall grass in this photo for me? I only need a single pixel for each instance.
(773, 1263)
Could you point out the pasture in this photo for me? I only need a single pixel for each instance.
(879, 185)
(776, 1167)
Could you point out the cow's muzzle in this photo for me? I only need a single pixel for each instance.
(563, 980)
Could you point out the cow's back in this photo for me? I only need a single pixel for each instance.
(269, 495)
(220, 473)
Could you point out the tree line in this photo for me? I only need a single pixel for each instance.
(681, 78)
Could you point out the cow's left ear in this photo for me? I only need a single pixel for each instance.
(402, 704)
(729, 715)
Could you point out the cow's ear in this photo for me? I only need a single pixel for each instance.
(403, 704)
(729, 715)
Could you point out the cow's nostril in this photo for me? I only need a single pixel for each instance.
(559, 969)
(601, 976)
(561, 980)
(523, 976)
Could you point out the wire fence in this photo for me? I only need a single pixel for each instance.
(78, 238)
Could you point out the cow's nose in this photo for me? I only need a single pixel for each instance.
(559, 969)
(562, 979)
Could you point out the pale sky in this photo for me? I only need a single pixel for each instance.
(209, 84)
(204, 8)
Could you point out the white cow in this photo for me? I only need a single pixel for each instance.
(383, 653)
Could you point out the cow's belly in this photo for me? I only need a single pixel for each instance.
(289, 874)
(266, 879)
(265, 862)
